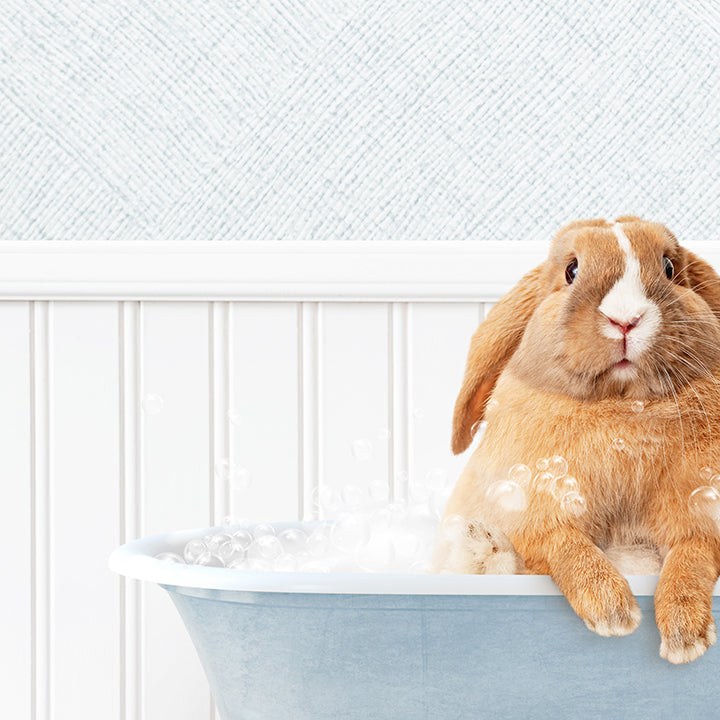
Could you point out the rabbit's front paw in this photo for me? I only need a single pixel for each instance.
(609, 608)
(476, 548)
(686, 632)
(491, 551)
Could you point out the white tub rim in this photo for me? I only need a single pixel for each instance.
(136, 559)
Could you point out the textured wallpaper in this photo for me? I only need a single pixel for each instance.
(376, 120)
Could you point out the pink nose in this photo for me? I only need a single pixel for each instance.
(625, 327)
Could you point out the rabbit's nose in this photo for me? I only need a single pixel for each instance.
(625, 327)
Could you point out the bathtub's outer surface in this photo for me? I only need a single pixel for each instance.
(275, 656)
(279, 646)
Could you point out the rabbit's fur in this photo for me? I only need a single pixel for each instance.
(566, 359)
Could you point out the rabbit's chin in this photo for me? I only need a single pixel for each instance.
(624, 379)
(624, 372)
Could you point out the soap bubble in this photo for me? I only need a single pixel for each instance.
(213, 542)
(706, 501)
(327, 499)
(238, 563)
(573, 503)
(194, 549)
(170, 557)
(227, 471)
(152, 404)
(542, 464)
(520, 474)
(638, 406)
(418, 413)
(262, 529)
(234, 416)
(349, 532)
(418, 492)
(229, 551)
(564, 485)
(508, 495)
(209, 560)
(618, 444)
(492, 405)
(293, 540)
(380, 520)
(454, 527)
(421, 521)
(557, 466)
(242, 539)
(353, 496)
(318, 542)
(379, 491)
(266, 547)
(361, 449)
(544, 482)
(436, 478)
(706, 473)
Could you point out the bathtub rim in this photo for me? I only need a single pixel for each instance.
(136, 559)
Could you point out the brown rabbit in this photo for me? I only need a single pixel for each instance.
(608, 355)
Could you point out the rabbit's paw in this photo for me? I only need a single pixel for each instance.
(610, 609)
(685, 638)
(490, 551)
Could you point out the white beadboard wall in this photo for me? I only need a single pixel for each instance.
(134, 374)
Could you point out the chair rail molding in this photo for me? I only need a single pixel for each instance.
(383, 271)
(250, 270)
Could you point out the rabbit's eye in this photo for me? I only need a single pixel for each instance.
(571, 271)
(668, 267)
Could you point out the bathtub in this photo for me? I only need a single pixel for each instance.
(314, 646)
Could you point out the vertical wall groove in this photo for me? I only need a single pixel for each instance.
(139, 636)
(309, 408)
(130, 506)
(399, 399)
(41, 469)
(220, 394)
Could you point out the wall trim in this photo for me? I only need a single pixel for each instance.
(264, 271)
(288, 271)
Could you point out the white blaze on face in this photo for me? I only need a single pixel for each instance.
(627, 304)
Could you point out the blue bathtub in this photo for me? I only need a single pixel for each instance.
(301, 646)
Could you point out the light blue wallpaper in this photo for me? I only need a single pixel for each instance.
(379, 120)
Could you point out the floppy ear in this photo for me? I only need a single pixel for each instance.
(491, 347)
(702, 279)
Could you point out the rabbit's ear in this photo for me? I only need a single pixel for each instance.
(492, 345)
(702, 279)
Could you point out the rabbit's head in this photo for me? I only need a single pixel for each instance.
(617, 309)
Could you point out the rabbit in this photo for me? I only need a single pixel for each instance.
(606, 355)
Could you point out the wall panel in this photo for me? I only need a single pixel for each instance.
(263, 415)
(176, 489)
(84, 507)
(440, 340)
(356, 423)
